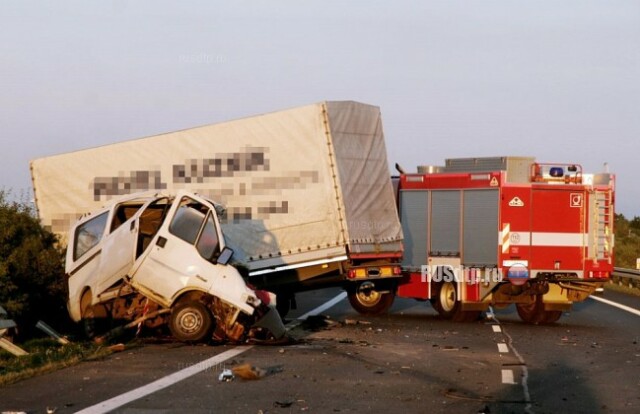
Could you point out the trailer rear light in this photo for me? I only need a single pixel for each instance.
(397, 271)
(357, 273)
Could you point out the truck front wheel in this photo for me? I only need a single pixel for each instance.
(368, 301)
(190, 321)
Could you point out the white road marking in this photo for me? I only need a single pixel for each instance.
(136, 394)
(507, 376)
(324, 307)
(617, 305)
(503, 348)
(164, 382)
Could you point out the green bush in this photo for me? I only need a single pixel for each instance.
(32, 283)
(627, 244)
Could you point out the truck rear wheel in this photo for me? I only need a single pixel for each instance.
(365, 299)
(190, 321)
(446, 302)
(534, 313)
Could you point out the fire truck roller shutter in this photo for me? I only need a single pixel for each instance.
(414, 218)
(480, 224)
(445, 223)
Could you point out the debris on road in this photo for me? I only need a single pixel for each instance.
(356, 322)
(226, 376)
(318, 322)
(250, 372)
(117, 348)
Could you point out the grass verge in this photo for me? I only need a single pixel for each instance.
(623, 288)
(46, 355)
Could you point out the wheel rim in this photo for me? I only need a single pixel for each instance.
(369, 297)
(448, 297)
(190, 321)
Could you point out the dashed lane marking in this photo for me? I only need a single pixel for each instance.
(503, 348)
(496, 328)
(507, 376)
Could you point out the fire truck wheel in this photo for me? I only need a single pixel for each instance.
(534, 313)
(370, 301)
(446, 301)
(190, 321)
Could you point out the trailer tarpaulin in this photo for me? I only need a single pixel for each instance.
(296, 184)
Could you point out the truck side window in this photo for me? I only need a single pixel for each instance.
(89, 234)
(208, 242)
(194, 223)
(188, 220)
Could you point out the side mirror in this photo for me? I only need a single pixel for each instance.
(225, 256)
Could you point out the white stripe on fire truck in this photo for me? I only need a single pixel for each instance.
(524, 238)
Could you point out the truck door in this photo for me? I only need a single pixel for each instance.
(118, 253)
(132, 227)
(180, 256)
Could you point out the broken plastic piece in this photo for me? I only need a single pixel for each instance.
(52, 333)
(226, 376)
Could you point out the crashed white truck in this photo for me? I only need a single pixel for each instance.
(308, 198)
(156, 259)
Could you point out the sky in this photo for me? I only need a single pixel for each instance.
(557, 80)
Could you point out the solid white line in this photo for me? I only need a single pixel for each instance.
(164, 382)
(617, 305)
(507, 376)
(503, 348)
(324, 307)
(496, 328)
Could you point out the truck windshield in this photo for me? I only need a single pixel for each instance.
(194, 223)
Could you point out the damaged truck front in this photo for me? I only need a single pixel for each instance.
(155, 259)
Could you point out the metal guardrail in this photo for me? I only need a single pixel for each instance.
(628, 277)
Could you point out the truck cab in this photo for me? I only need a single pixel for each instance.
(161, 259)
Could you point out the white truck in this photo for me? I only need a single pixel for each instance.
(156, 259)
(308, 198)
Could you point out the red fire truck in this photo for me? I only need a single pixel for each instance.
(496, 231)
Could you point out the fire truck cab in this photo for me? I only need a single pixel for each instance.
(496, 231)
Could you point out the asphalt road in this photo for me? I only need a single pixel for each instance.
(406, 361)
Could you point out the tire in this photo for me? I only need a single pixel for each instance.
(190, 321)
(95, 320)
(535, 314)
(370, 301)
(448, 305)
(445, 301)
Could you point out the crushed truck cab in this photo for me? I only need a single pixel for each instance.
(158, 259)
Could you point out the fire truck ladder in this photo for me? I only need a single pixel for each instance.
(603, 220)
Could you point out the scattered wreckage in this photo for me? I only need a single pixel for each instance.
(150, 259)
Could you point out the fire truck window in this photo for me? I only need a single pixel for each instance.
(208, 242)
(188, 220)
(89, 234)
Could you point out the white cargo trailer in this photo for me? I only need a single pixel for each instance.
(307, 193)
